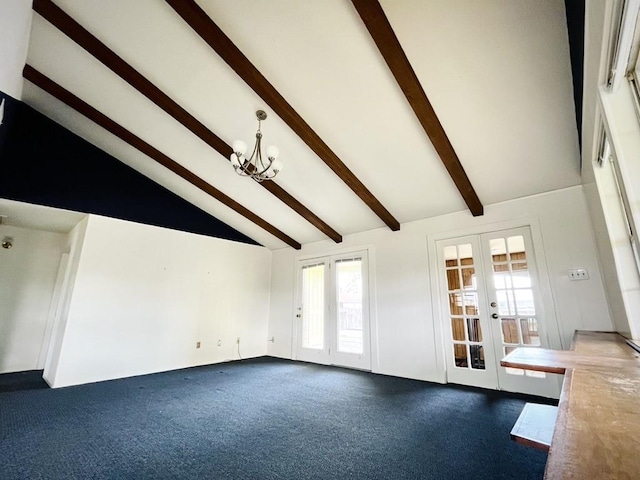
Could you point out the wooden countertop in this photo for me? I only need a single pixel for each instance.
(597, 433)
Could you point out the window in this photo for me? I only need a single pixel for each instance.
(605, 158)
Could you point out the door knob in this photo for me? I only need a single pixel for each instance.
(298, 315)
(494, 304)
(494, 315)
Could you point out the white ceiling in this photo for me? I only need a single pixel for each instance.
(496, 71)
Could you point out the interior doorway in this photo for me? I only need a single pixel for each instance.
(332, 324)
(492, 303)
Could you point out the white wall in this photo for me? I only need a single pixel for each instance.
(27, 279)
(402, 309)
(143, 296)
(15, 25)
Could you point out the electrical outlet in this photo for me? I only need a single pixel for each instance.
(219, 343)
(197, 344)
(578, 274)
(238, 340)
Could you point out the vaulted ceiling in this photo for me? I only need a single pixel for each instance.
(383, 113)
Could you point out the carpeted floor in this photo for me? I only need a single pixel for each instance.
(263, 419)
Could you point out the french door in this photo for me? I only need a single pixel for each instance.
(332, 317)
(492, 303)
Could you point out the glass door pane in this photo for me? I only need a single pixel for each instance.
(349, 305)
(313, 306)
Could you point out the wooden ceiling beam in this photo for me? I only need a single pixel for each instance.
(375, 20)
(76, 32)
(119, 131)
(204, 26)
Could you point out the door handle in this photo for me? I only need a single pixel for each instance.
(494, 315)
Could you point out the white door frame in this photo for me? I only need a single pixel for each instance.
(555, 338)
(486, 377)
(55, 310)
(371, 291)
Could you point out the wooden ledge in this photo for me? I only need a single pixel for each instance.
(557, 361)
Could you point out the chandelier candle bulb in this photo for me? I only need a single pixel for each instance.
(239, 147)
(256, 166)
(235, 161)
(272, 152)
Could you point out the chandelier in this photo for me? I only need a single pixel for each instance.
(256, 166)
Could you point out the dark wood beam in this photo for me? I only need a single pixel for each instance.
(204, 26)
(57, 17)
(119, 131)
(385, 38)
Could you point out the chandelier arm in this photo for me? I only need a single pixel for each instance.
(262, 169)
(245, 169)
(258, 164)
(263, 173)
(241, 171)
(256, 147)
(239, 167)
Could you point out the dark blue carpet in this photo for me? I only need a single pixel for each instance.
(263, 419)
(29, 380)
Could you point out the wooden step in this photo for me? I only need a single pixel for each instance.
(535, 425)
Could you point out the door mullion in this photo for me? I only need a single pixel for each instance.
(330, 298)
